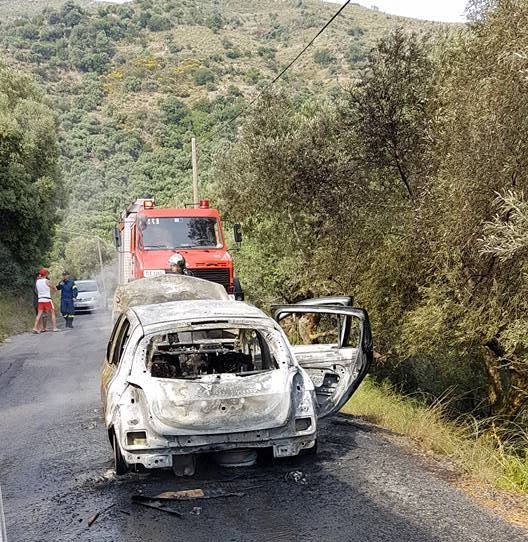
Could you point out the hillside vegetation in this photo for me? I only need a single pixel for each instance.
(132, 83)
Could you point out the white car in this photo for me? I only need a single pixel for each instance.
(189, 377)
(89, 297)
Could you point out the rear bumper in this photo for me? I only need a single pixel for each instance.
(161, 457)
(86, 305)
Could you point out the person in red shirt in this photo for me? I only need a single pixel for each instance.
(44, 288)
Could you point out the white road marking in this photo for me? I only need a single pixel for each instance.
(3, 532)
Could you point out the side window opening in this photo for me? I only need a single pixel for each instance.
(309, 328)
(120, 342)
(191, 354)
(111, 340)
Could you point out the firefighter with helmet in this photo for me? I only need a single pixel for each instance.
(177, 265)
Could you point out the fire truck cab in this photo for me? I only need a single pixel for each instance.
(148, 236)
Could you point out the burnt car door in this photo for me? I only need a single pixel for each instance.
(332, 342)
(114, 350)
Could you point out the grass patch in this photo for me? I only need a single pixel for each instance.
(16, 315)
(476, 452)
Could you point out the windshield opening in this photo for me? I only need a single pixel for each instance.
(180, 232)
(191, 354)
(87, 286)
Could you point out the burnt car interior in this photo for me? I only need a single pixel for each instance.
(191, 354)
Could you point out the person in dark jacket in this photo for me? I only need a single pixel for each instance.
(69, 292)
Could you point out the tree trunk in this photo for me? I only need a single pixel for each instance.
(507, 382)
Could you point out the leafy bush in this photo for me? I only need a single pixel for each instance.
(253, 75)
(356, 31)
(356, 53)
(29, 162)
(202, 76)
(215, 22)
(267, 52)
(233, 53)
(158, 23)
(133, 84)
(324, 57)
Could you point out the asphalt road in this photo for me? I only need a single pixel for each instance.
(55, 461)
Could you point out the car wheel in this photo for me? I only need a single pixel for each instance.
(265, 456)
(120, 465)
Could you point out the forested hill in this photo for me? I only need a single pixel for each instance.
(132, 82)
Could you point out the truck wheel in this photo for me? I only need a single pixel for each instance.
(237, 287)
(120, 465)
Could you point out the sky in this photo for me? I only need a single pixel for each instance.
(432, 10)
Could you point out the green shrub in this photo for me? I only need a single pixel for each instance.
(233, 53)
(253, 76)
(267, 52)
(158, 23)
(202, 76)
(356, 54)
(215, 22)
(324, 57)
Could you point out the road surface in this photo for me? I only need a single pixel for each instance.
(55, 464)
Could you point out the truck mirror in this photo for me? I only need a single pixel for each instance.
(117, 237)
(237, 233)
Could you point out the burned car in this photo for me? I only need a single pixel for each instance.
(190, 377)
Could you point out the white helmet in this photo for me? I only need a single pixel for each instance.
(177, 259)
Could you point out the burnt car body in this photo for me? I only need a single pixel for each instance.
(190, 377)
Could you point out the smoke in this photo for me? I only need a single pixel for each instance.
(107, 280)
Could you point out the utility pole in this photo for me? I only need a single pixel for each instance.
(194, 172)
(102, 268)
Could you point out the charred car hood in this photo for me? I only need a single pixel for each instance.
(218, 403)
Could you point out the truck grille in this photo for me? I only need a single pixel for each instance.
(221, 276)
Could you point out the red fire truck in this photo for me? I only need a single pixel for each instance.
(148, 236)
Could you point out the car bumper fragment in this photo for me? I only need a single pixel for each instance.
(162, 458)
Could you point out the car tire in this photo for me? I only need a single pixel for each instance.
(120, 465)
(265, 456)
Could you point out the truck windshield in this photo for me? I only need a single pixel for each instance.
(180, 232)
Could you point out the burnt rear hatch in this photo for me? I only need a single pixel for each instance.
(213, 378)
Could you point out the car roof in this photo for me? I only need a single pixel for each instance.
(175, 311)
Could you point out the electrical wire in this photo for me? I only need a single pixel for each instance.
(275, 79)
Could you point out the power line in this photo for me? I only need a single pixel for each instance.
(329, 22)
(275, 79)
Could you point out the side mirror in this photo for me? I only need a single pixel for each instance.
(117, 237)
(237, 233)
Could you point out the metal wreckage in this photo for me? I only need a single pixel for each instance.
(189, 371)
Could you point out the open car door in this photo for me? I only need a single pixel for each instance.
(332, 342)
